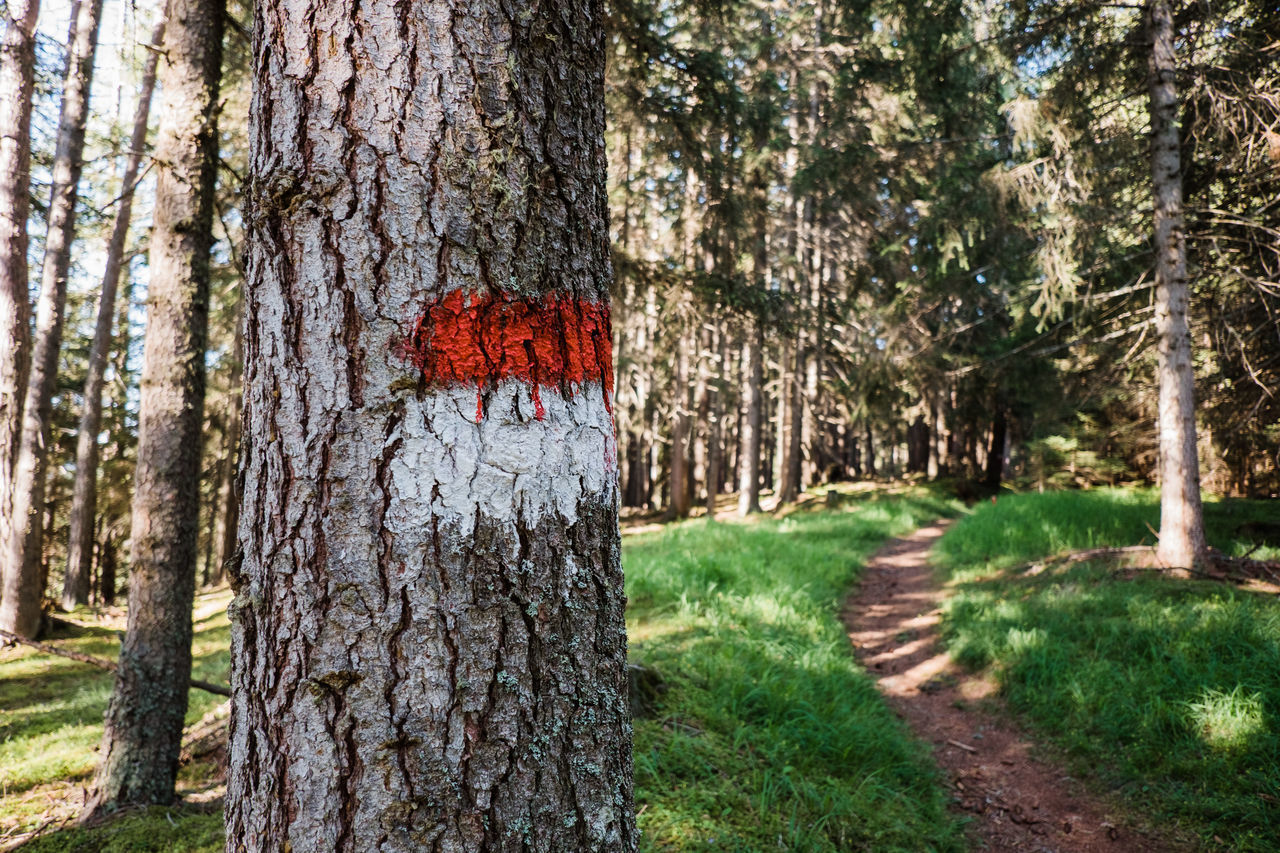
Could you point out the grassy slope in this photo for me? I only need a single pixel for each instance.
(768, 735)
(1167, 691)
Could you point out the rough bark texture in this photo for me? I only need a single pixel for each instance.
(428, 636)
(23, 575)
(752, 422)
(1182, 541)
(144, 720)
(84, 499)
(17, 80)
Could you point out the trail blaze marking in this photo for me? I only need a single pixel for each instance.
(558, 341)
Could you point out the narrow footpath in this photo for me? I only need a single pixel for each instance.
(1017, 803)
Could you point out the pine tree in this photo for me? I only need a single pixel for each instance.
(144, 720)
(17, 82)
(428, 638)
(84, 502)
(24, 577)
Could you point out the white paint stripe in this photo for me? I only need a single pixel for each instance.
(449, 465)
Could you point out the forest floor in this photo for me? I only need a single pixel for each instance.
(1018, 801)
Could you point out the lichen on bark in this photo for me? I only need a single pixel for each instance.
(428, 635)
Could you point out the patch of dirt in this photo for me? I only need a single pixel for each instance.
(1017, 803)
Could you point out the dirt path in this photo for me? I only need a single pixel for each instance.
(1017, 803)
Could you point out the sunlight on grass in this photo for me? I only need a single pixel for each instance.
(770, 736)
(1228, 721)
(51, 725)
(1164, 690)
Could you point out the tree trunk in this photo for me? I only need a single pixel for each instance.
(716, 388)
(681, 438)
(753, 403)
(229, 488)
(17, 82)
(23, 587)
(107, 571)
(144, 719)
(84, 501)
(428, 639)
(1182, 541)
(995, 453)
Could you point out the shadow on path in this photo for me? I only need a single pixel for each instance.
(1017, 803)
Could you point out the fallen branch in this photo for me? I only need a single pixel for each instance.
(100, 663)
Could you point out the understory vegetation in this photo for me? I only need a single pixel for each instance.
(764, 733)
(1164, 691)
(51, 725)
(767, 735)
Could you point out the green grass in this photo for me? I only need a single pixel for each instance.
(156, 830)
(1165, 691)
(51, 717)
(770, 736)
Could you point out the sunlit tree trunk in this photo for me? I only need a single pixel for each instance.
(17, 83)
(428, 637)
(1182, 540)
(144, 719)
(84, 499)
(23, 577)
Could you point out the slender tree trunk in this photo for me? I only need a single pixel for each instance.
(23, 587)
(17, 83)
(995, 452)
(107, 571)
(1182, 540)
(84, 501)
(428, 639)
(144, 719)
(229, 489)
(679, 504)
(753, 403)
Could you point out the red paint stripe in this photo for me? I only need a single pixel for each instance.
(558, 341)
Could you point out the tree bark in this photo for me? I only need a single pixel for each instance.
(681, 436)
(428, 638)
(84, 501)
(752, 401)
(229, 488)
(23, 576)
(995, 452)
(143, 732)
(1182, 540)
(17, 83)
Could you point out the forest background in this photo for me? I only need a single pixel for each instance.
(853, 241)
(915, 237)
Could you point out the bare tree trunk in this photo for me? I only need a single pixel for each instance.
(752, 401)
(428, 637)
(84, 501)
(995, 453)
(681, 438)
(107, 570)
(23, 587)
(1182, 540)
(17, 83)
(229, 488)
(790, 488)
(143, 733)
